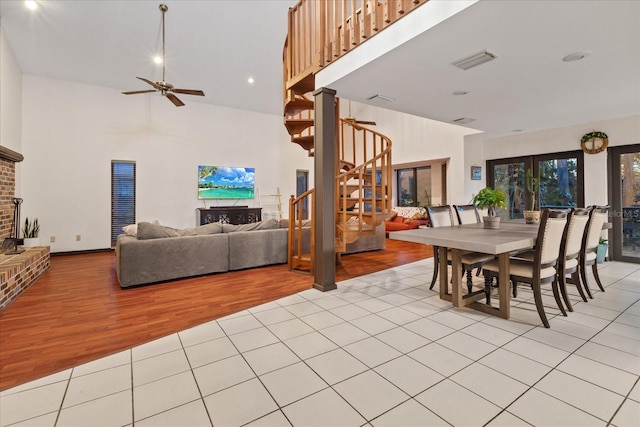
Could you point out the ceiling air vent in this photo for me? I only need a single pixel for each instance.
(463, 120)
(379, 97)
(475, 60)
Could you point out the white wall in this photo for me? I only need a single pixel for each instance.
(10, 101)
(10, 96)
(72, 131)
(621, 131)
(416, 139)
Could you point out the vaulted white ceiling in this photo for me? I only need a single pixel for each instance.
(216, 45)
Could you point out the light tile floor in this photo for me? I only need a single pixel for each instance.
(381, 350)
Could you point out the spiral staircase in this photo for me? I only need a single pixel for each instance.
(363, 179)
(319, 32)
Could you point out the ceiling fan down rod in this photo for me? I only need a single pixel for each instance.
(163, 9)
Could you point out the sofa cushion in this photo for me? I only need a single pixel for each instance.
(212, 228)
(267, 224)
(147, 230)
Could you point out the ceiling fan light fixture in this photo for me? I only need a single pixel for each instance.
(164, 87)
(474, 60)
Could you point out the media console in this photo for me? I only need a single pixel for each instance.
(229, 215)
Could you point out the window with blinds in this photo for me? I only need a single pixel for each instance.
(123, 196)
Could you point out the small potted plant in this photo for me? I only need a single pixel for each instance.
(491, 199)
(30, 233)
(532, 216)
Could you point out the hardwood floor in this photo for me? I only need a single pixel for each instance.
(77, 312)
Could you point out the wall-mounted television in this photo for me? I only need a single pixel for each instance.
(221, 182)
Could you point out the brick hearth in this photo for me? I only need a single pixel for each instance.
(18, 272)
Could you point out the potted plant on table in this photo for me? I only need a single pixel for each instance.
(30, 233)
(532, 216)
(491, 199)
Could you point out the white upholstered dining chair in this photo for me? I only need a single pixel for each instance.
(597, 217)
(467, 214)
(570, 252)
(542, 269)
(442, 216)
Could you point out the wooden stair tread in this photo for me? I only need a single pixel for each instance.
(346, 166)
(296, 126)
(297, 105)
(305, 142)
(302, 84)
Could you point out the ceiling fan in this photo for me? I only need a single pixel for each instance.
(351, 118)
(164, 87)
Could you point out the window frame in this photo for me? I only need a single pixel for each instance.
(119, 180)
(532, 162)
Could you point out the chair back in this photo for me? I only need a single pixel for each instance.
(598, 216)
(577, 224)
(467, 214)
(550, 233)
(440, 216)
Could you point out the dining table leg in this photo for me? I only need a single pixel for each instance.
(456, 278)
(504, 297)
(444, 272)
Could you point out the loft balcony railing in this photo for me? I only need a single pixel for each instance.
(321, 31)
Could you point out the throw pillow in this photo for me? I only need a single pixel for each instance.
(392, 216)
(130, 230)
(147, 230)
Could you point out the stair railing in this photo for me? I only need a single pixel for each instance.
(321, 31)
(363, 188)
(301, 234)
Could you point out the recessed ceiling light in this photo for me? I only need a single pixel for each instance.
(461, 92)
(250, 80)
(31, 5)
(576, 56)
(157, 59)
(475, 60)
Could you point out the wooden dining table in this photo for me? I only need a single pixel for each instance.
(511, 236)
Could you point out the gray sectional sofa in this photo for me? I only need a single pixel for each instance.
(149, 253)
(155, 253)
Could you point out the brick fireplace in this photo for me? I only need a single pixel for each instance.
(17, 271)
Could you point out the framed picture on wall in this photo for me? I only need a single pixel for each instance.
(476, 172)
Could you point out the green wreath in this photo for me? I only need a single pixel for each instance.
(592, 135)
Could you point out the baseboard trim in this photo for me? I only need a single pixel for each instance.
(88, 251)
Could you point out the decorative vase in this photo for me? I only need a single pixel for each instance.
(601, 252)
(491, 222)
(31, 242)
(532, 217)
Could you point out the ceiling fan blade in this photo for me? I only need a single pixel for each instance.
(365, 122)
(133, 92)
(174, 99)
(188, 91)
(148, 81)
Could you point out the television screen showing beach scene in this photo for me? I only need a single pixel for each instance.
(221, 182)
